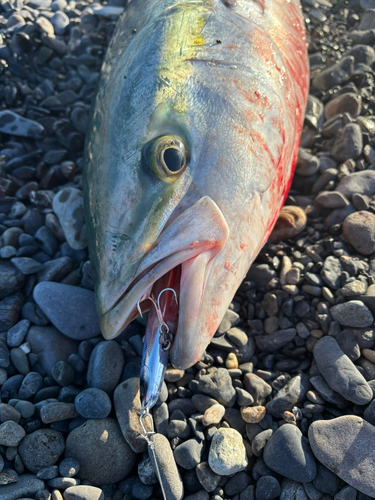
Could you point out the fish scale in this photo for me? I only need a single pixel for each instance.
(228, 80)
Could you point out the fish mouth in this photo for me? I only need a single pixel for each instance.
(181, 259)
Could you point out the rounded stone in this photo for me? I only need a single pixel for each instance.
(71, 309)
(346, 446)
(227, 453)
(93, 403)
(267, 488)
(213, 415)
(105, 366)
(253, 414)
(359, 230)
(102, 452)
(11, 433)
(41, 448)
(353, 313)
(69, 467)
(83, 492)
(288, 453)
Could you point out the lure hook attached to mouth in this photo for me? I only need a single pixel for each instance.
(158, 341)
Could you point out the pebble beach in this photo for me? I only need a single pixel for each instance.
(282, 403)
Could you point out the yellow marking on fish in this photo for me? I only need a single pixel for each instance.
(183, 34)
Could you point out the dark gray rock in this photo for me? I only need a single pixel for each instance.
(55, 270)
(326, 481)
(359, 182)
(105, 366)
(63, 373)
(292, 394)
(26, 265)
(17, 334)
(11, 433)
(50, 345)
(275, 340)
(169, 473)
(14, 124)
(101, 461)
(262, 274)
(345, 445)
(10, 310)
(267, 488)
(288, 453)
(11, 279)
(239, 482)
(26, 486)
(31, 384)
(41, 448)
(369, 413)
(71, 309)
(48, 472)
(207, 478)
(188, 454)
(218, 384)
(257, 387)
(93, 403)
(340, 373)
(335, 74)
(56, 412)
(331, 272)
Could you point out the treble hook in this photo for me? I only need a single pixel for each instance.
(167, 340)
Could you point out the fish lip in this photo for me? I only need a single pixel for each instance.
(126, 306)
(183, 240)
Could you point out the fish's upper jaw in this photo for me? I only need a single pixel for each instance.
(191, 241)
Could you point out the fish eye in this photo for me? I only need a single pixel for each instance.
(167, 157)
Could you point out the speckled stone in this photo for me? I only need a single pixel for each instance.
(227, 453)
(41, 448)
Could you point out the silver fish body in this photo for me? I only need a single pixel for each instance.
(190, 154)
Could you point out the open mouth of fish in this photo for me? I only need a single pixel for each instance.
(182, 259)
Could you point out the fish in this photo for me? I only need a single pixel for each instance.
(190, 153)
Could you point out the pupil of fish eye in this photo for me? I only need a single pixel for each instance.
(173, 159)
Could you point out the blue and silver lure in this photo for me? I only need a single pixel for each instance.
(157, 344)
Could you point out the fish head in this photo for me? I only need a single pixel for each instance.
(176, 193)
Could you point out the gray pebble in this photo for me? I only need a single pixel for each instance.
(31, 384)
(267, 488)
(169, 473)
(14, 124)
(68, 203)
(71, 309)
(26, 486)
(63, 373)
(359, 231)
(292, 394)
(17, 334)
(55, 412)
(11, 279)
(288, 454)
(128, 405)
(188, 454)
(345, 445)
(260, 441)
(83, 492)
(26, 265)
(257, 387)
(11, 433)
(335, 74)
(331, 272)
(207, 478)
(353, 313)
(218, 384)
(41, 448)
(105, 366)
(101, 462)
(275, 340)
(20, 361)
(340, 373)
(93, 403)
(358, 182)
(48, 472)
